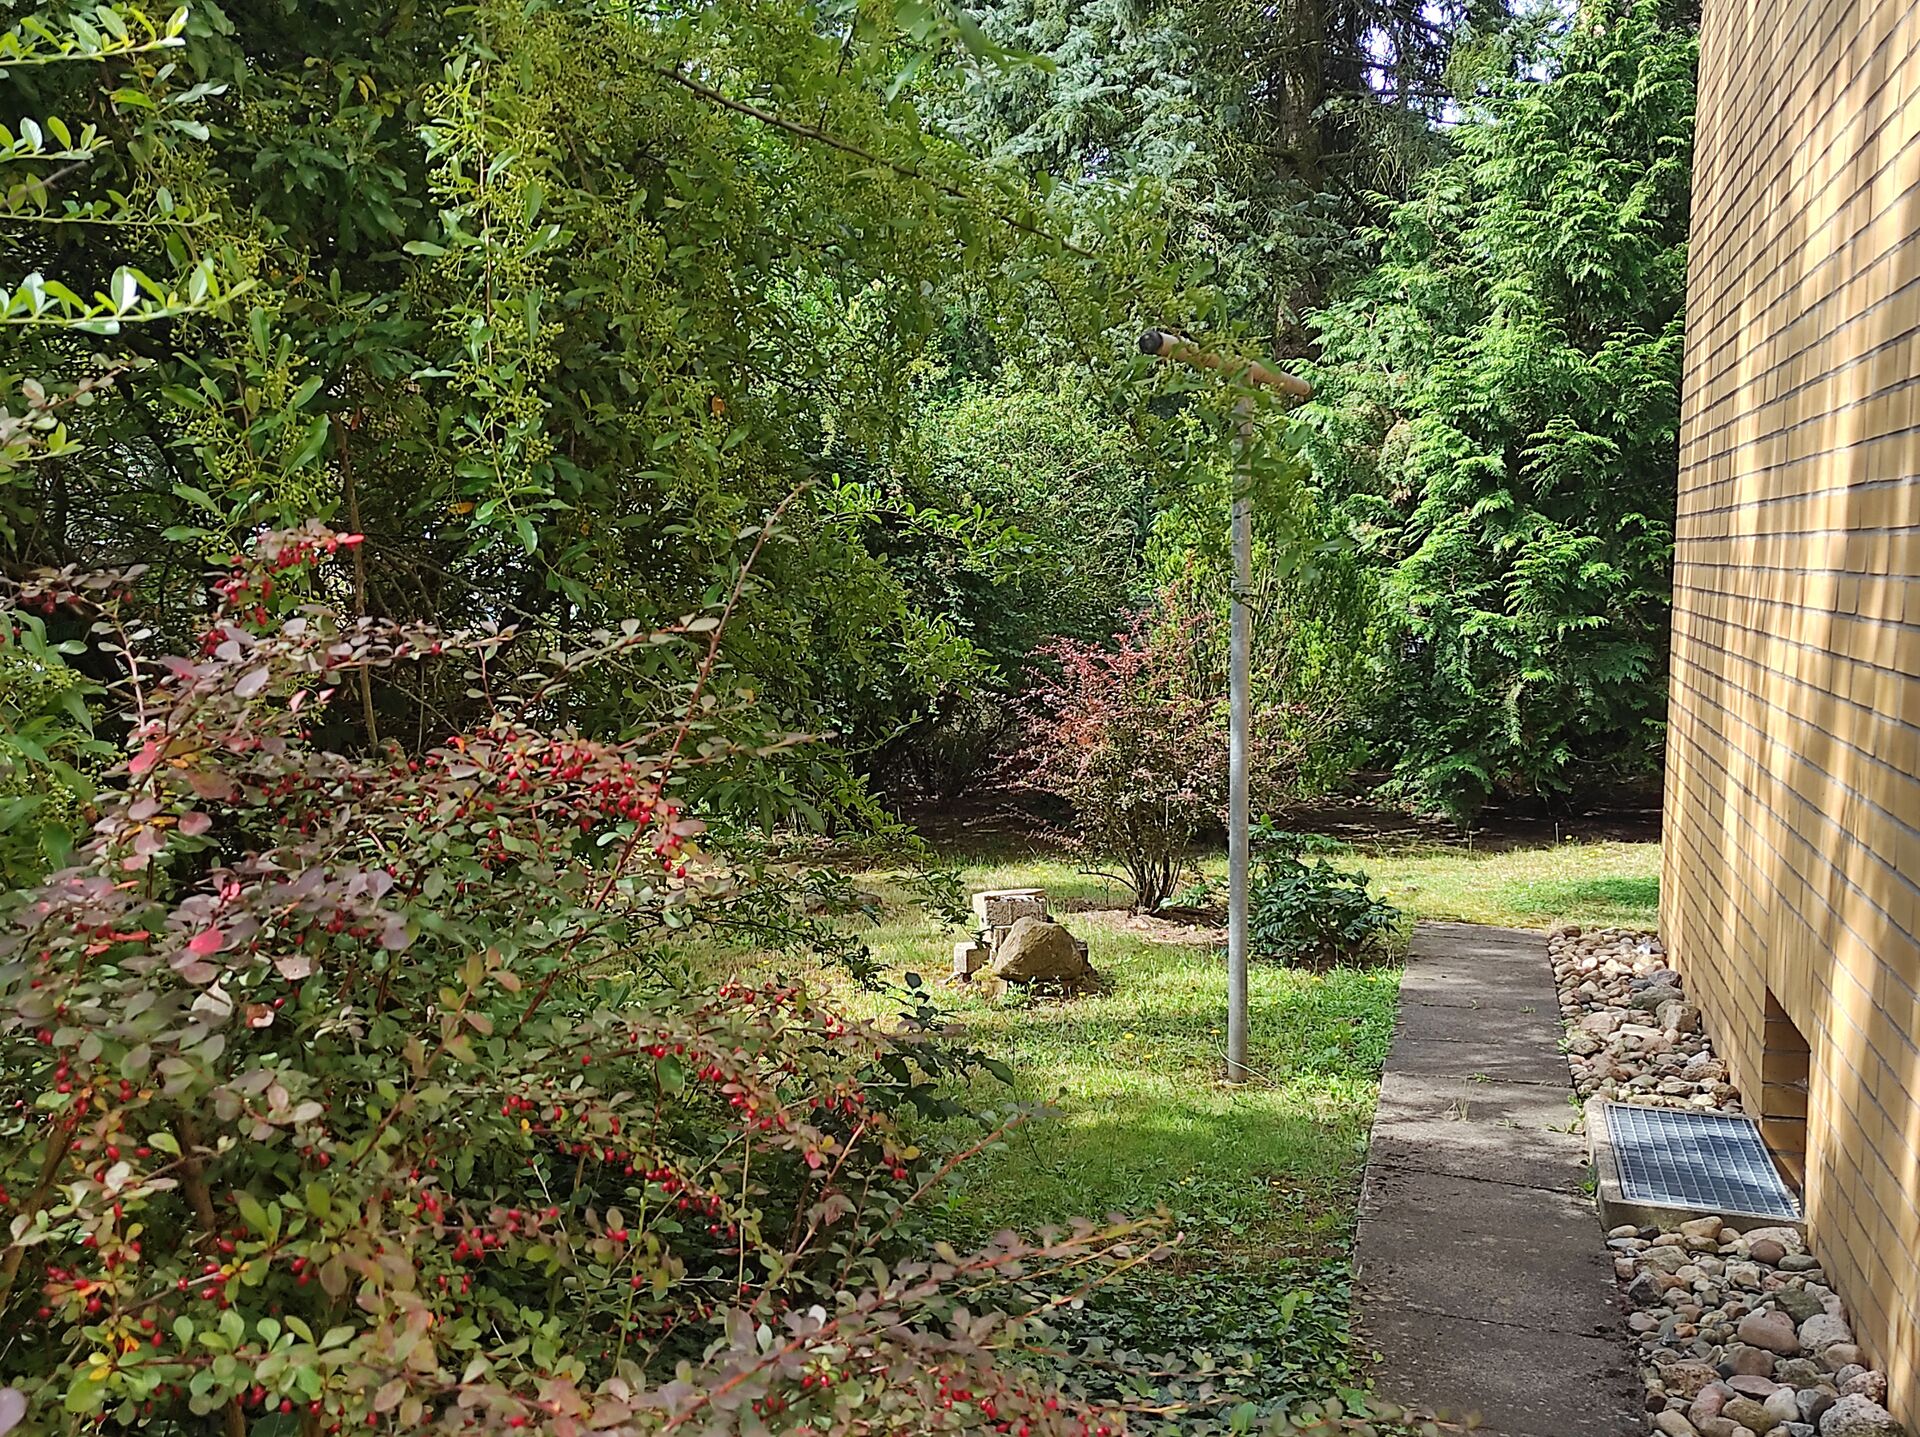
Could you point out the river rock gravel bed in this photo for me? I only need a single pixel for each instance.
(1738, 1333)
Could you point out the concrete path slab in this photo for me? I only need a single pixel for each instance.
(1523, 1383)
(1502, 1132)
(1537, 1021)
(1488, 1251)
(1476, 1062)
(1457, 960)
(1482, 1277)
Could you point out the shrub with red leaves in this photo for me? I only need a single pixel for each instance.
(365, 1091)
(1133, 736)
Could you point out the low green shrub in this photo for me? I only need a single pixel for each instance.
(1311, 914)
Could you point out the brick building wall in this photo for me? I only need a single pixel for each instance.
(1791, 885)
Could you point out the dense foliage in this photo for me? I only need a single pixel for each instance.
(549, 303)
(1498, 418)
(1063, 486)
(1306, 913)
(372, 1092)
(1265, 126)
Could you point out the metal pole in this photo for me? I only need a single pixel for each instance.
(1239, 698)
(1240, 733)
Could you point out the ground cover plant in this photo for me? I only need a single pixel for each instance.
(1302, 910)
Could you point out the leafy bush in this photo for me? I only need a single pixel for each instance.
(1311, 914)
(358, 1091)
(1135, 740)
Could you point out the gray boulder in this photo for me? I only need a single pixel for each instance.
(1814, 1403)
(1798, 1303)
(1038, 951)
(1822, 1331)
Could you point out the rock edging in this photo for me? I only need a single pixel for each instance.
(1738, 1333)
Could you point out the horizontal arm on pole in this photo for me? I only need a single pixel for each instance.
(1168, 345)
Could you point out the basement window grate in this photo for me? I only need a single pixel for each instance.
(1707, 1162)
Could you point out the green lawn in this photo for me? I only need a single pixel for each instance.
(1596, 885)
(1261, 1180)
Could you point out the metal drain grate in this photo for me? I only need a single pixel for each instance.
(1708, 1162)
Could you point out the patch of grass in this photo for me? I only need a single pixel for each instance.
(1260, 1179)
(1137, 1118)
(1597, 885)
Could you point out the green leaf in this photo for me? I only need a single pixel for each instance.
(254, 1214)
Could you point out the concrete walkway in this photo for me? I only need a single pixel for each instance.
(1483, 1278)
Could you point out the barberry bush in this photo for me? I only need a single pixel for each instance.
(357, 1091)
(1132, 735)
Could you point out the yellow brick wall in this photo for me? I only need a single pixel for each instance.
(1792, 851)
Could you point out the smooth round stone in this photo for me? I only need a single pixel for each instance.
(1755, 1387)
(1781, 1407)
(1748, 1360)
(1774, 1331)
(1840, 1355)
(1796, 1262)
(1768, 1251)
(1674, 1425)
(1745, 1412)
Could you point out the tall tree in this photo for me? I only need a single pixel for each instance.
(1499, 415)
(1266, 126)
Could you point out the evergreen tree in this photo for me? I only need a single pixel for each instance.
(1498, 417)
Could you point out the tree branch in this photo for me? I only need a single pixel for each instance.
(847, 147)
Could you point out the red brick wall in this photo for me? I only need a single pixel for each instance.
(1792, 852)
